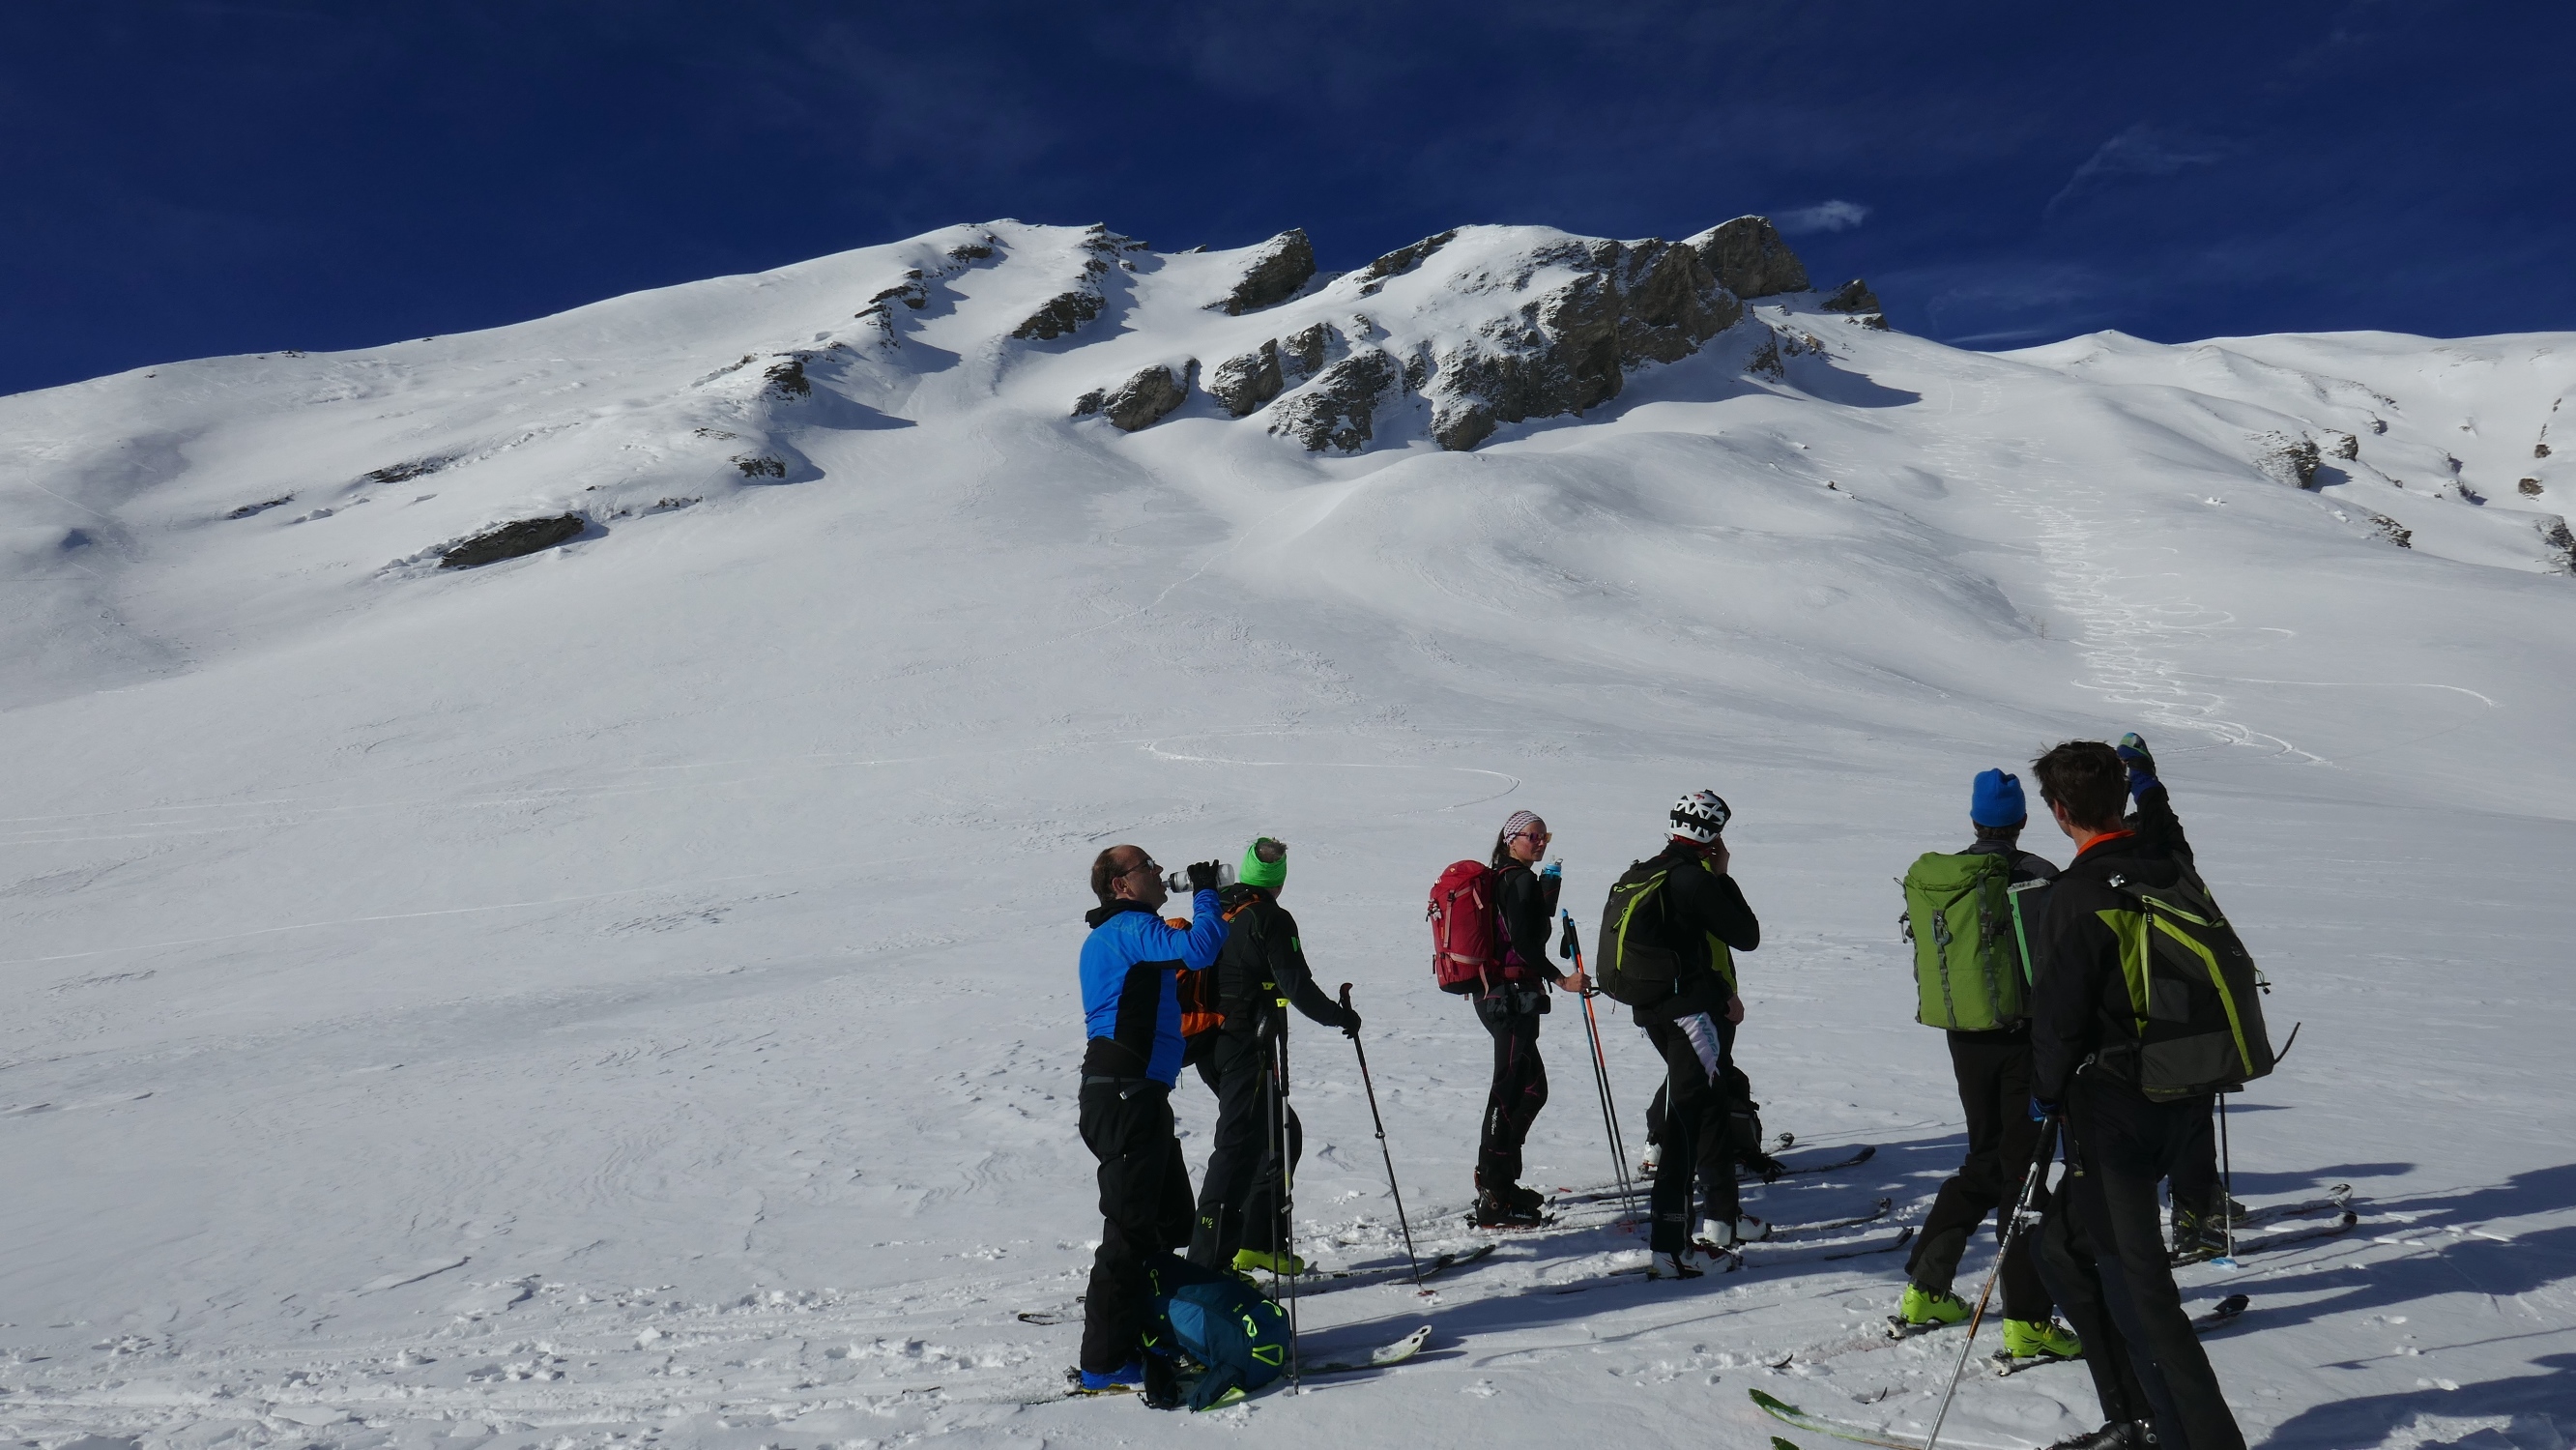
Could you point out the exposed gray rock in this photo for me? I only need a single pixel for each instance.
(1853, 296)
(1066, 311)
(1243, 384)
(509, 541)
(2530, 489)
(2289, 460)
(2345, 446)
(1144, 400)
(1278, 271)
(1305, 349)
(2538, 450)
(1059, 315)
(787, 380)
(758, 465)
(1088, 405)
(1401, 261)
(1749, 259)
(2553, 532)
(248, 509)
(1670, 303)
(2395, 532)
(1339, 408)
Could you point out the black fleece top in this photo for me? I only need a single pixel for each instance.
(2083, 1000)
(1528, 906)
(1698, 903)
(1263, 961)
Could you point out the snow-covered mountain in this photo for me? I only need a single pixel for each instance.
(544, 866)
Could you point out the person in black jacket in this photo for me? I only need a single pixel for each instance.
(1703, 920)
(1993, 1072)
(2083, 1045)
(1260, 971)
(1509, 1003)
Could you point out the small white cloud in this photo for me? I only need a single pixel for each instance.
(1826, 216)
(2140, 151)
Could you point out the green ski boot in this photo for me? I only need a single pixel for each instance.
(2041, 1339)
(1923, 1309)
(1248, 1260)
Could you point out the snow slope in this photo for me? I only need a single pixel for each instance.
(624, 994)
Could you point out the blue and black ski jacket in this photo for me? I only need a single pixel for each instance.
(1129, 1005)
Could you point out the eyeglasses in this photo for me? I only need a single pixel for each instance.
(1539, 836)
(1147, 866)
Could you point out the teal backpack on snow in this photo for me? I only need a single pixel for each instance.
(1237, 1334)
(1971, 947)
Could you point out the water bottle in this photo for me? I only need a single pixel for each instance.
(1178, 883)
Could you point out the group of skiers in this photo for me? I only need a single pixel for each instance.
(2078, 1020)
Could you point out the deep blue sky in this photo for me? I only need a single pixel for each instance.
(179, 179)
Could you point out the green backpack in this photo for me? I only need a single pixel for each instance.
(1631, 964)
(2195, 990)
(1971, 952)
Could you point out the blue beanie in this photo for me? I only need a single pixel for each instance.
(1997, 801)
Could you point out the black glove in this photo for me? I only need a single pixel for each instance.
(1350, 1023)
(1162, 1381)
(1204, 875)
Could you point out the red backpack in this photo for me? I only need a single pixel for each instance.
(1465, 941)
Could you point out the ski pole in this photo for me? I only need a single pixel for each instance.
(2226, 1184)
(2029, 1190)
(1383, 1151)
(1283, 1207)
(1570, 944)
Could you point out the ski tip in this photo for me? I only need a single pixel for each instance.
(2234, 1304)
(1779, 1444)
(1772, 1403)
(1867, 1152)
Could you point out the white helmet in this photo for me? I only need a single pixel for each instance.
(1699, 816)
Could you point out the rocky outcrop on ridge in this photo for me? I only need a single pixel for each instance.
(1279, 271)
(1400, 261)
(1571, 347)
(1749, 258)
(1062, 314)
(1853, 296)
(1244, 383)
(1142, 400)
(1339, 408)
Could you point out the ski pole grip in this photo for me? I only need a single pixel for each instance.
(1346, 996)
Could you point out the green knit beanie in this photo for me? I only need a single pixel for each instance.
(1270, 875)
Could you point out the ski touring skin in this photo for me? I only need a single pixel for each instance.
(1380, 1358)
(2227, 1311)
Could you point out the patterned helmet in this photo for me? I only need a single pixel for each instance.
(1700, 816)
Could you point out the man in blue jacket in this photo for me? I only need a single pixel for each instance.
(1133, 1016)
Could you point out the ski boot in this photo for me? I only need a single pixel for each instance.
(1128, 1376)
(1494, 1210)
(1922, 1310)
(1725, 1235)
(1248, 1260)
(2117, 1435)
(1673, 1266)
(2196, 1236)
(2044, 1339)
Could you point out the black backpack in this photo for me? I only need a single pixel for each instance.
(2196, 993)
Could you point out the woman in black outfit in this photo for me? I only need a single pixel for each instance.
(1510, 1003)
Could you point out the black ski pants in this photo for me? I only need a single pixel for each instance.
(2195, 1183)
(1694, 1139)
(2099, 1309)
(1520, 1082)
(1239, 1199)
(1993, 1072)
(1144, 1210)
(2125, 1146)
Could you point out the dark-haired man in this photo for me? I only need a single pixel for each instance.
(1133, 1015)
(2120, 1144)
